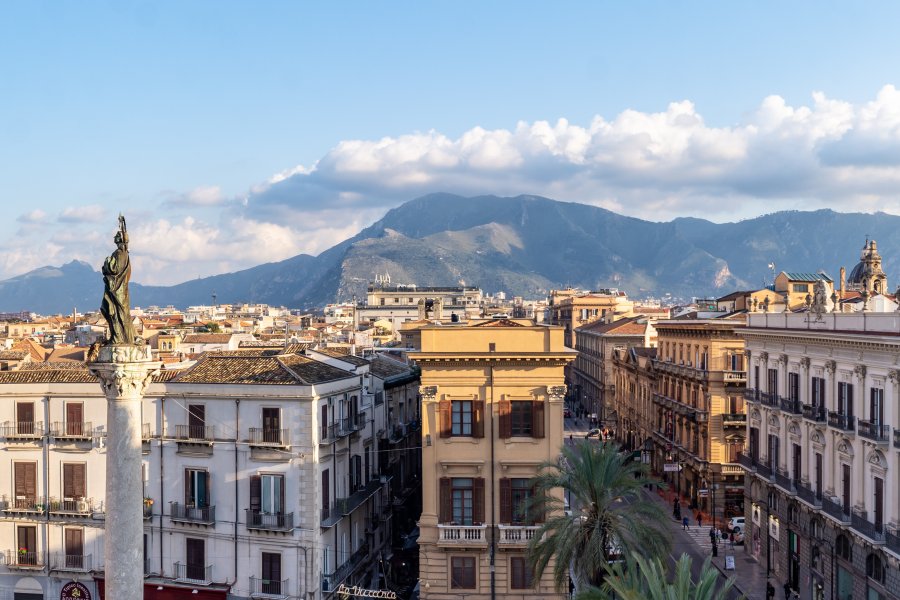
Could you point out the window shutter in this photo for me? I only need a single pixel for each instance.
(850, 400)
(537, 419)
(255, 492)
(536, 510)
(78, 481)
(505, 419)
(25, 412)
(326, 495)
(68, 481)
(30, 480)
(74, 542)
(281, 504)
(478, 419)
(505, 500)
(478, 500)
(445, 419)
(203, 499)
(73, 412)
(446, 501)
(20, 479)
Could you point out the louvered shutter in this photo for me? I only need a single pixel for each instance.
(68, 481)
(188, 488)
(478, 500)
(445, 419)
(255, 493)
(505, 419)
(478, 419)
(30, 480)
(505, 500)
(205, 491)
(74, 418)
(446, 501)
(537, 419)
(78, 481)
(74, 542)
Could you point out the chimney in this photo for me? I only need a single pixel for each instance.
(843, 279)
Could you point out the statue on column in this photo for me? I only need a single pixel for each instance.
(116, 306)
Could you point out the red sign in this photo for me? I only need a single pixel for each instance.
(74, 591)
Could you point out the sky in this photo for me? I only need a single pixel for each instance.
(236, 133)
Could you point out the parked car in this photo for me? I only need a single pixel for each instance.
(736, 523)
(738, 535)
(593, 433)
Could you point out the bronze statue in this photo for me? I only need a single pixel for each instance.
(116, 306)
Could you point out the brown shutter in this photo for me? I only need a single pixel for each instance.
(326, 481)
(68, 481)
(505, 419)
(537, 419)
(30, 480)
(25, 412)
(188, 496)
(78, 481)
(74, 542)
(505, 500)
(478, 419)
(282, 508)
(255, 492)
(478, 500)
(74, 418)
(446, 501)
(195, 552)
(445, 419)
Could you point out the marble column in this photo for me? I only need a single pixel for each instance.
(124, 373)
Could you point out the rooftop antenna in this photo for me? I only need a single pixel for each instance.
(772, 267)
(214, 298)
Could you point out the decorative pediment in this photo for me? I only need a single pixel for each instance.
(804, 362)
(877, 458)
(860, 371)
(754, 415)
(845, 447)
(830, 366)
(773, 422)
(794, 428)
(815, 436)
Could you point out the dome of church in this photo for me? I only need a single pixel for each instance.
(858, 274)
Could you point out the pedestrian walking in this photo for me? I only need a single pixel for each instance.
(787, 590)
(712, 535)
(684, 523)
(770, 590)
(699, 519)
(732, 540)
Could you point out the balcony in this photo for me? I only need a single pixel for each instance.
(835, 510)
(734, 377)
(841, 421)
(72, 506)
(772, 400)
(462, 535)
(874, 431)
(791, 405)
(146, 434)
(734, 420)
(783, 480)
(861, 524)
(331, 581)
(896, 438)
(808, 495)
(193, 574)
(257, 519)
(765, 470)
(752, 395)
(278, 438)
(21, 504)
(359, 422)
(195, 433)
(148, 508)
(892, 538)
(74, 563)
(74, 431)
(182, 513)
(268, 589)
(814, 413)
(29, 560)
(341, 507)
(22, 431)
(516, 535)
(747, 461)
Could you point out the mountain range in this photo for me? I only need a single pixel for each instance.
(524, 246)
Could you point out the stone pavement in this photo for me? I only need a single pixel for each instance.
(749, 576)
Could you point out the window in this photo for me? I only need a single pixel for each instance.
(876, 406)
(271, 421)
(794, 386)
(326, 493)
(196, 488)
(73, 540)
(26, 549)
(267, 494)
(25, 418)
(521, 493)
(845, 398)
(197, 422)
(463, 493)
(25, 486)
(74, 418)
(462, 572)
(519, 573)
(271, 574)
(324, 422)
(74, 478)
(773, 381)
(800, 288)
(521, 418)
(843, 548)
(461, 500)
(875, 568)
(462, 418)
(195, 557)
(818, 391)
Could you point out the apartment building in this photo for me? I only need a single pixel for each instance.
(590, 376)
(692, 390)
(571, 309)
(823, 450)
(261, 478)
(492, 401)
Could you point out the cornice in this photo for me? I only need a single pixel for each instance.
(815, 338)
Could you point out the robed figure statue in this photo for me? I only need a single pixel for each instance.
(116, 306)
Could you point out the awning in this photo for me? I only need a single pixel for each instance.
(174, 591)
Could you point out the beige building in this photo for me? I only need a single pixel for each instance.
(571, 309)
(492, 403)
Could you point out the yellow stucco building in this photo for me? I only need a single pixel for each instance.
(492, 413)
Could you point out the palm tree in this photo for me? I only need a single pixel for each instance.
(611, 516)
(643, 579)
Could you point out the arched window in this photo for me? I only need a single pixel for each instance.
(843, 548)
(773, 502)
(816, 529)
(875, 568)
(793, 512)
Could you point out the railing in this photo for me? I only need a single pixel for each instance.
(517, 534)
(734, 376)
(257, 519)
(145, 432)
(268, 588)
(814, 413)
(72, 429)
(269, 437)
(22, 504)
(892, 538)
(462, 534)
(148, 508)
(872, 430)
(746, 461)
(204, 433)
(734, 419)
(192, 514)
(80, 506)
(784, 481)
(808, 495)
(24, 560)
(752, 395)
(196, 574)
(341, 507)
(835, 510)
(841, 421)
(344, 570)
(773, 400)
(764, 470)
(896, 438)
(862, 525)
(22, 430)
(71, 562)
(791, 405)
(360, 421)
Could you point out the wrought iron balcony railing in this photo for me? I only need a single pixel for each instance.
(260, 436)
(80, 563)
(257, 519)
(874, 431)
(72, 429)
(814, 412)
(22, 430)
(273, 589)
(841, 421)
(192, 514)
(198, 433)
(194, 574)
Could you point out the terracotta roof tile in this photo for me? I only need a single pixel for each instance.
(207, 338)
(499, 323)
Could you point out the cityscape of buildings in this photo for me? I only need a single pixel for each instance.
(391, 443)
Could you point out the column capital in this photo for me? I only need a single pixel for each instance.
(125, 372)
(804, 362)
(428, 392)
(556, 392)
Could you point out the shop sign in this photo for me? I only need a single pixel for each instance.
(74, 590)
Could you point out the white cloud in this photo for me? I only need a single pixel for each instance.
(92, 213)
(32, 217)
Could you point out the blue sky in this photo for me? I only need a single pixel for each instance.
(238, 133)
